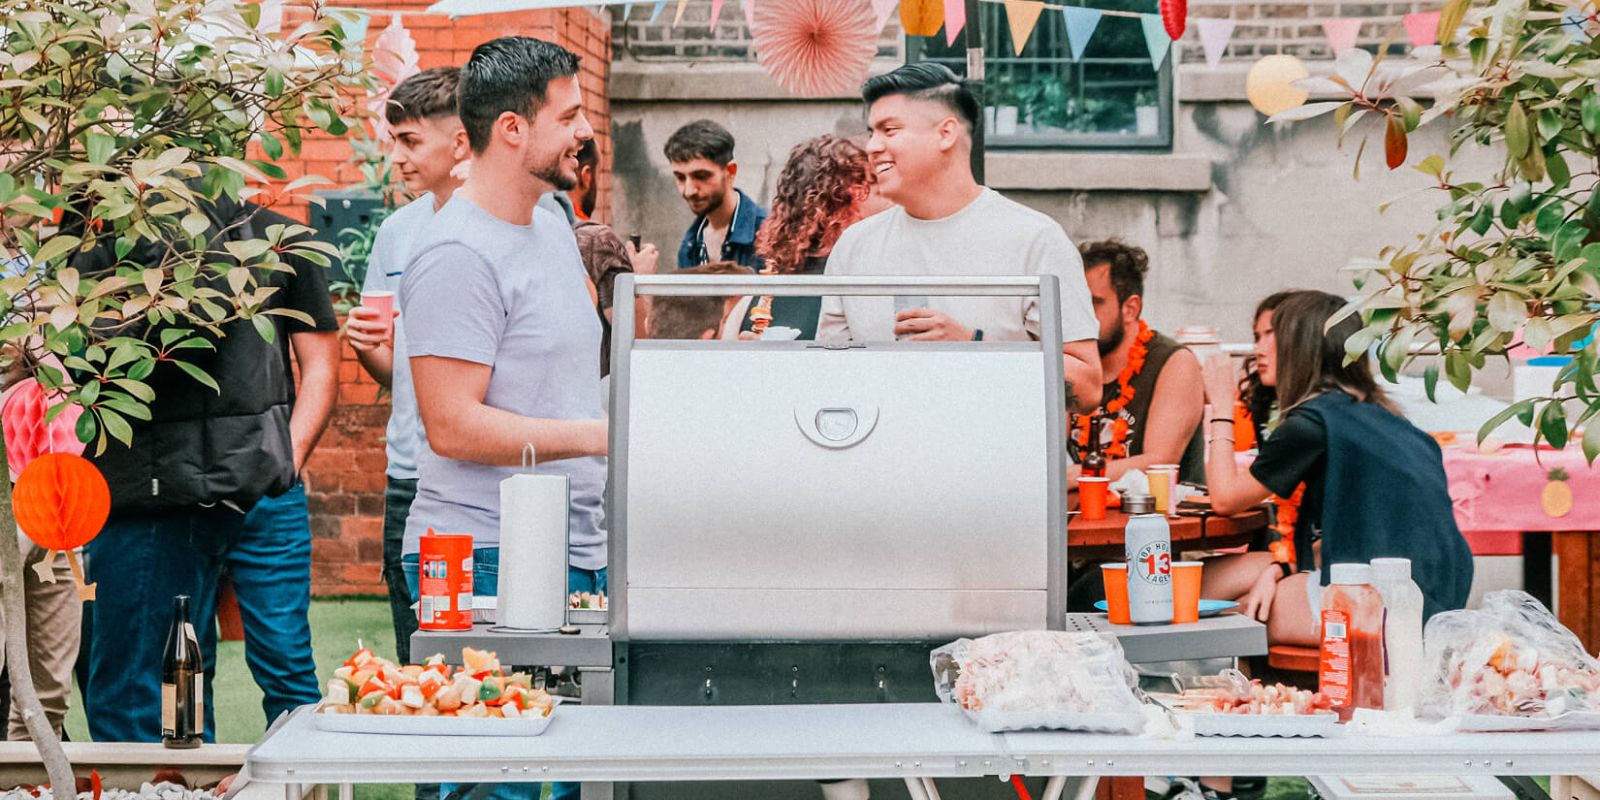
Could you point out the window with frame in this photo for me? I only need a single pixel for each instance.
(1110, 98)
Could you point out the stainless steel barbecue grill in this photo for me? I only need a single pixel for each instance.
(801, 522)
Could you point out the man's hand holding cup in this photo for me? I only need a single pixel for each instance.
(371, 324)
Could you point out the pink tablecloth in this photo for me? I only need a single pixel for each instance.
(1501, 492)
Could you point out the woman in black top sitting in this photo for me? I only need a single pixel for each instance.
(1375, 484)
(825, 187)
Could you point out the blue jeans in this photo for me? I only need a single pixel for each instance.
(486, 583)
(271, 570)
(140, 562)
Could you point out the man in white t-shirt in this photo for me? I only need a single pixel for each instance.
(946, 224)
(429, 144)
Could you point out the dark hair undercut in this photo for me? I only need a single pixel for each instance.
(1129, 265)
(926, 80)
(428, 94)
(700, 139)
(511, 73)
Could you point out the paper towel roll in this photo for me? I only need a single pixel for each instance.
(533, 552)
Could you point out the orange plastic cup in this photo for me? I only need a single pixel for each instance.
(1092, 497)
(1115, 577)
(1186, 591)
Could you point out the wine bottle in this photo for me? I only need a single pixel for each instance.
(182, 682)
(1094, 460)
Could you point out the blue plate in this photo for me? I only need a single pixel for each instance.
(1208, 608)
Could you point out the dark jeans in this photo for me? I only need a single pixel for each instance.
(397, 499)
(140, 562)
(271, 570)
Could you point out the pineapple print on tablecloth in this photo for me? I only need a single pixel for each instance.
(1557, 495)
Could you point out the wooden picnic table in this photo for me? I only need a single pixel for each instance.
(1101, 540)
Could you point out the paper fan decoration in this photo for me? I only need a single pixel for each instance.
(28, 435)
(394, 58)
(816, 47)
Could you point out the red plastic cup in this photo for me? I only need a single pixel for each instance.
(1115, 577)
(1092, 497)
(383, 303)
(445, 582)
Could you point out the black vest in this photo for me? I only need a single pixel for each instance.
(203, 447)
(1192, 465)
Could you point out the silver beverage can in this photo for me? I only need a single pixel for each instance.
(1147, 547)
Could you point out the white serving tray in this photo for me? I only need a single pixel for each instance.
(1322, 725)
(1570, 721)
(431, 726)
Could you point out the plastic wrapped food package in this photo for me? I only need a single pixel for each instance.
(1509, 659)
(1040, 679)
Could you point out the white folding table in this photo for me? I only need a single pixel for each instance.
(914, 742)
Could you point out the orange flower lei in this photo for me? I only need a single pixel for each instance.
(1119, 427)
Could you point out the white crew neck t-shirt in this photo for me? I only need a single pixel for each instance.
(991, 237)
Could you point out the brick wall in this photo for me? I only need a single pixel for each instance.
(345, 476)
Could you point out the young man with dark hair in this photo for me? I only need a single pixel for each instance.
(501, 329)
(946, 224)
(1160, 419)
(726, 219)
(429, 143)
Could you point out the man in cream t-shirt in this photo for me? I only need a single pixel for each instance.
(945, 224)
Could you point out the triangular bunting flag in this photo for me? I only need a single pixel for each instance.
(660, 4)
(1023, 15)
(678, 17)
(921, 17)
(1422, 28)
(1081, 23)
(1341, 33)
(1214, 36)
(955, 18)
(883, 8)
(1156, 39)
(716, 12)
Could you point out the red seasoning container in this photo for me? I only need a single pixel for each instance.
(1351, 672)
(444, 582)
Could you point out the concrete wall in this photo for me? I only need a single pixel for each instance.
(1236, 211)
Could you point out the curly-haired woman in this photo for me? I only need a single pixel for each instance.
(825, 187)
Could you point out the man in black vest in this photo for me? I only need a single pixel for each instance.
(1153, 398)
(179, 496)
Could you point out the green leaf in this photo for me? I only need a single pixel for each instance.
(1589, 111)
(270, 144)
(1430, 382)
(140, 391)
(1556, 165)
(116, 426)
(86, 428)
(1568, 241)
(1549, 219)
(1482, 221)
(265, 327)
(1517, 138)
(1507, 310)
(1515, 409)
(1450, 19)
(199, 375)
(89, 392)
(141, 369)
(1591, 441)
(99, 147)
(57, 246)
(1549, 124)
(195, 223)
(1553, 424)
(1432, 165)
